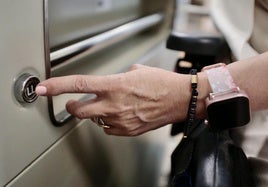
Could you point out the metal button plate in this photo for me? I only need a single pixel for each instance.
(24, 88)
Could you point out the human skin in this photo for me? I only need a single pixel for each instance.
(146, 98)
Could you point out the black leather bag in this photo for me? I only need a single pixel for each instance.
(209, 159)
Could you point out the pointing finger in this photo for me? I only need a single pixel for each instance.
(74, 84)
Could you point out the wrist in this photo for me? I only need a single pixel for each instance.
(182, 83)
(203, 91)
(227, 106)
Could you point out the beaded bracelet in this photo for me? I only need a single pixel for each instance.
(192, 105)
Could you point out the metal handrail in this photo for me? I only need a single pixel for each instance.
(107, 38)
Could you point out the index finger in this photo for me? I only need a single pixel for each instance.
(73, 84)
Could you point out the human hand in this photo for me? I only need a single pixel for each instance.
(131, 103)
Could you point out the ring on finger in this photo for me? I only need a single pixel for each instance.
(103, 124)
(99, 121)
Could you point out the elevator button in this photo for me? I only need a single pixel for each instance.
(24, 88)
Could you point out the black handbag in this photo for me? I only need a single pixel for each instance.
(209, 159)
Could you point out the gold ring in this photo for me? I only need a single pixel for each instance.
(99, 121)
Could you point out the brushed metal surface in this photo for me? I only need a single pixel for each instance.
(72, 20)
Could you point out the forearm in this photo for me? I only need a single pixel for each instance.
(250, 75)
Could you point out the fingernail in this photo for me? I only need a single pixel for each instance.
(41, 90)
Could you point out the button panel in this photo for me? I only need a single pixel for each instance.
(24, 88)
